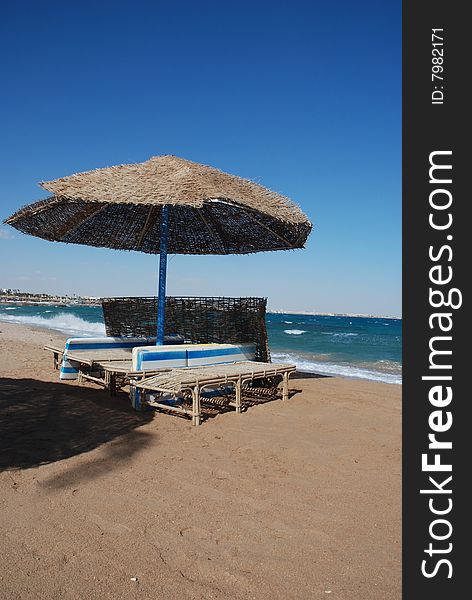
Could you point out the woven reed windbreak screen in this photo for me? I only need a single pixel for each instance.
(199, 320)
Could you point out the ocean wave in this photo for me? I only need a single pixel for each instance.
(288, 322)
(10, 308)
(294, 331)
(387, 366)
(341, 335)
(63, 322)
(345, 370)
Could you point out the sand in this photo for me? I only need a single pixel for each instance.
(289, 500)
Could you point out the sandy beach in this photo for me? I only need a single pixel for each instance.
(289, 500)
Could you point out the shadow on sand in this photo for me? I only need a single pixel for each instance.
(308, 375)
(43, 422)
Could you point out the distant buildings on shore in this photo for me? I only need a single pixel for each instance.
(10, 295)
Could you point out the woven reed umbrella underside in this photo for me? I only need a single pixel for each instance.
(210, 212)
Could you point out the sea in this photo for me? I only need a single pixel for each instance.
(347, 346)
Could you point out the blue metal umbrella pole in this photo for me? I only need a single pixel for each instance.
(161, 300)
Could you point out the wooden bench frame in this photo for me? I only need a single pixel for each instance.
(111, 363)
(196, 379)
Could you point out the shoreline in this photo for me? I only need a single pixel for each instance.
(47, 303)
(325, 368)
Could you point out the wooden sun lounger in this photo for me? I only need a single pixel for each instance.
(114, 364)
(196, 379)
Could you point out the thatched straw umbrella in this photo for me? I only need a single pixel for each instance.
(164, 205)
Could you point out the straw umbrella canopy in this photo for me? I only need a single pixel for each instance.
(164, 205)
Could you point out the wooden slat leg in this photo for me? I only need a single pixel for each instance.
(56, 360)
(199, 407)
(196, 410)
(194, 405)
(285, 386)
(238, 395)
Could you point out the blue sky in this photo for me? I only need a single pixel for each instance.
(303, 97)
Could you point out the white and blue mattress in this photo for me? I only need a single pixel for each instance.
(152, 358)
(69, 369)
